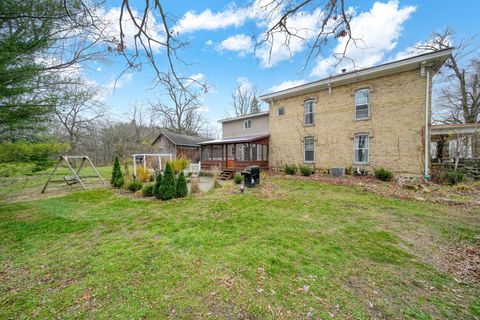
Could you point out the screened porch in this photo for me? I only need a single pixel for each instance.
(235, 153)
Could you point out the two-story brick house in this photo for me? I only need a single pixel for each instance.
(369, 118)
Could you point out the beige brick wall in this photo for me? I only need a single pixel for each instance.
(236, 128)
(397, 108)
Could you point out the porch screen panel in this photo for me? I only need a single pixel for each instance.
(206, 153)
(217, 153)
(254, 152)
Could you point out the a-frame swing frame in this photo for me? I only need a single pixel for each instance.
(76, 174)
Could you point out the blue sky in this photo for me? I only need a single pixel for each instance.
(220, 47)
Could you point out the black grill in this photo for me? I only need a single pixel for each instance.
(251, 176)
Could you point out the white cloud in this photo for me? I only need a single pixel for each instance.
(379, 30)
(112, 28)
(208, 20)
(418, 48)
(286, 85)
(198, 77)
(98, 69)
(240, 43)
(244, 84)
(203, 108)
(305, 26)
(209, 42)
(121, 82)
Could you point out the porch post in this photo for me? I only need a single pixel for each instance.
(225, 157)
(134, 167)
(211, 152)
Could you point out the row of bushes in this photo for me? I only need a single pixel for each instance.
(166, 186)
(292, 169)
(306, 171)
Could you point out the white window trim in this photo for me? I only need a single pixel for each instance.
(278, 112)
(245, 124)
(314, 102)
(304, 150)
(355, 104)
(355, 148)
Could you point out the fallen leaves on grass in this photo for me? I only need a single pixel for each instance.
(464, 262)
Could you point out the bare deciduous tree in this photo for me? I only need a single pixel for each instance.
(181, 114)
(278, 14)
(459, 99)
(77, 110)
(244, 100)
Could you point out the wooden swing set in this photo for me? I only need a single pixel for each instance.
(76, 177)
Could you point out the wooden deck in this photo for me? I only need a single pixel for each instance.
(235, 165)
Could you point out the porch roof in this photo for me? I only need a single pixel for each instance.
(448, 129)
(242, 139)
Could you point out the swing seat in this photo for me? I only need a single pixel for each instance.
(70, 180)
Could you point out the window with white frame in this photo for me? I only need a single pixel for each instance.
(361, 148)
(281, 111)
(309, 112)
(362, 104)
(247, 124)
(309, 149)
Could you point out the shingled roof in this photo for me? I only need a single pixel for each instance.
(181, 139)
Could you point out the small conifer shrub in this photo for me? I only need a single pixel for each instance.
(156, 186)
(117, 176)
(182, 190)
(135, 185)
(167, 188)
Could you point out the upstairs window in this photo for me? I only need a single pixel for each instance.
(362, 104)
(361, 148)
(309, 149)
(309, 112)
(247, 124)
(281, 111)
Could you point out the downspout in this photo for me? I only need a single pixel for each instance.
(427, 118)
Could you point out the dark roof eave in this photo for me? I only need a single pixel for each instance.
(234, 140)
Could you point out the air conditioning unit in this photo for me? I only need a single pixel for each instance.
(337, 172)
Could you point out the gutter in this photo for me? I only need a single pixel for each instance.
(426, 176)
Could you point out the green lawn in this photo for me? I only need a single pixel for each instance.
(289, 250)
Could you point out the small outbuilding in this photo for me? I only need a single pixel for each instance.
(179, 145)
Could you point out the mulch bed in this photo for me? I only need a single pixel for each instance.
(464, 195)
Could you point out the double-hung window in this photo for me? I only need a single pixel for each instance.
(247, 124)
(361, 148)
(362, 104)
(309, 112)
(309, 149)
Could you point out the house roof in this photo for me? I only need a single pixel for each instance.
(248, 116)
(181, 139)
(433, 59)
(236, 139)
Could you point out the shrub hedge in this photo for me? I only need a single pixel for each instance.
(290, 169)
(383, 174)
(306, 171)
(135, 185)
